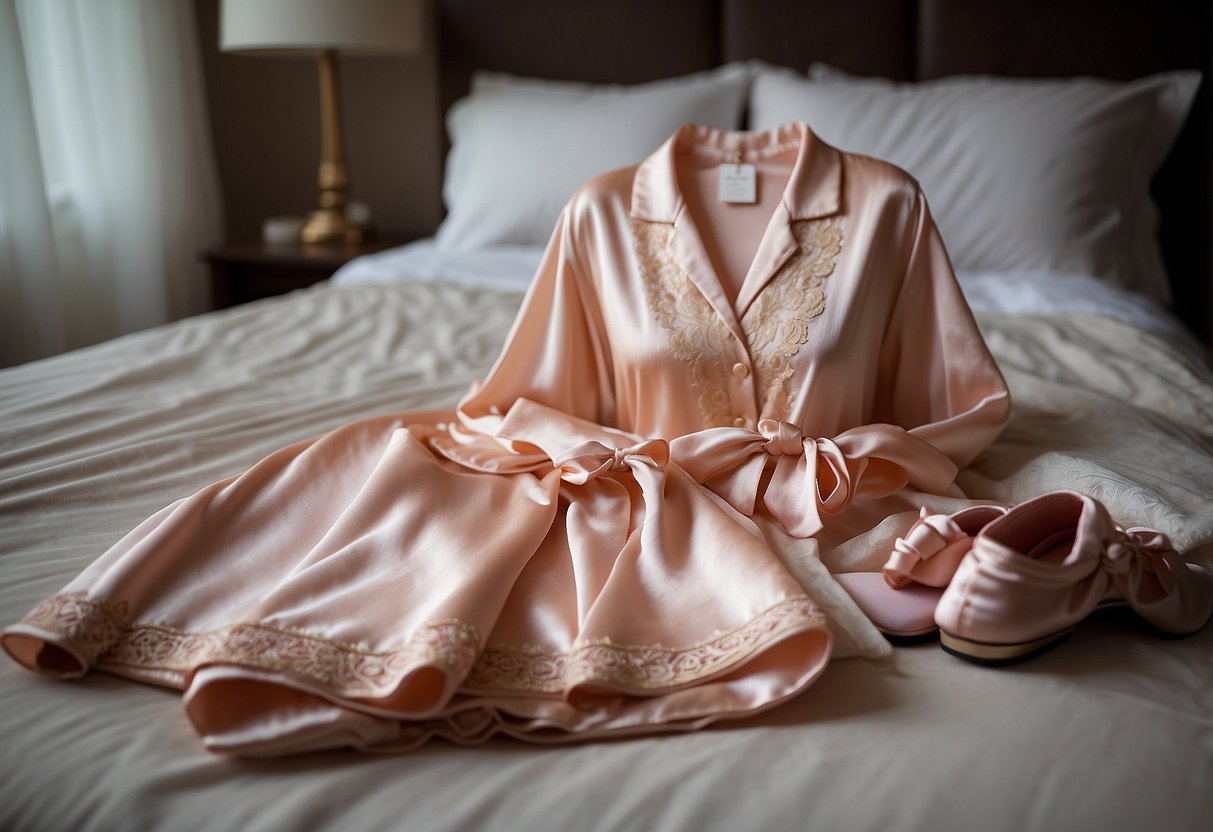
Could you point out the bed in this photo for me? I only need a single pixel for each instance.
(1113, 397)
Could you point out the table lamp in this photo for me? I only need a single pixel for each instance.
(324, 27)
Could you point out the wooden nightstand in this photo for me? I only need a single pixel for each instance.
(241, 272)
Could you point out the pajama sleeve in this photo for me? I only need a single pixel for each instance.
(556, 355)
(937, 378)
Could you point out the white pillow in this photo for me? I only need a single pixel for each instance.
(1046, 175)
(520, 147)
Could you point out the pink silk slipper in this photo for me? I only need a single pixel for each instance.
(900, 599)
(1033, 574)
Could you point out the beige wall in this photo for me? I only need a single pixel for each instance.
(265, 121)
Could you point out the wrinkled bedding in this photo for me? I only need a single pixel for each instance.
(1113, 730)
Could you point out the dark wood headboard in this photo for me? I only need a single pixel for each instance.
(629, 41)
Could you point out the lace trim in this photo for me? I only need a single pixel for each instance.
(638, 667)
(88, 627)
(101, 633)
(775, 326)
(697, 335)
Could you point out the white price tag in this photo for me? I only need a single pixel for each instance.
(738, 183)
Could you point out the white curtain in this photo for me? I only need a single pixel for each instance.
(107, 181)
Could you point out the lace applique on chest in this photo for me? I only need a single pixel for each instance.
(777, 323)
(775, 326)
(697, 335)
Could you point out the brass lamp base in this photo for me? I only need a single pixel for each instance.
(327, 227)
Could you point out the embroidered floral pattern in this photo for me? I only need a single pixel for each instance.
(88, 627)
(775, 326)
(697, 335)
(101, 632)
(638, 667)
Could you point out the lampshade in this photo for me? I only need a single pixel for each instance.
(367, 26)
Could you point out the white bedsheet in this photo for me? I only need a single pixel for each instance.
(1111, 731)
(511, 268)
(508, 268)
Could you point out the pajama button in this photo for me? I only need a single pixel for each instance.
(740, 370)
(740, 422)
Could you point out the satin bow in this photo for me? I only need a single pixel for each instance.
(809, 477)
(1135, 548)
(930, 535)
(588, 460)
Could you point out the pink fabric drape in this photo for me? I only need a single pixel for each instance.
(574, 551)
